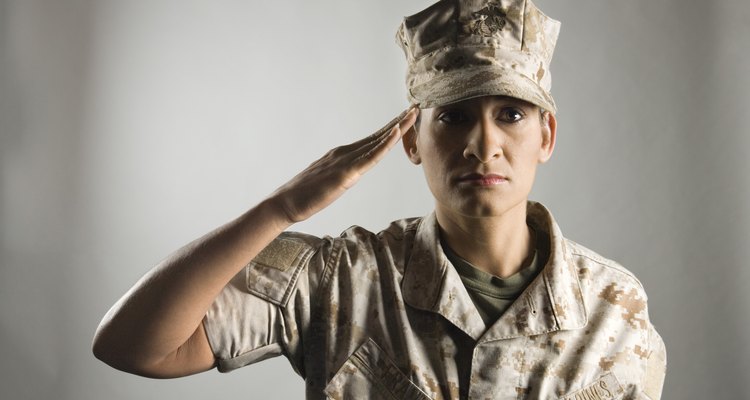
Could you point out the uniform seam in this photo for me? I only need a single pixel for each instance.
(463, 46)
(609, 264)
(231, 363)
(304, 259)
(336, 250)
(551, 294)
(614, 268)
(523, 28)
(400, 235)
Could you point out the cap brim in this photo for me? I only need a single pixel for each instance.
(453, 86)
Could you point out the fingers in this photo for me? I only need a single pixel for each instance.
(405, 115)
(372, 151)
(409, 119)
(385, 130)
(395, 128)
(323, 181)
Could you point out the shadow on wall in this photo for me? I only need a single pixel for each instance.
(44, 52)
(712, 228)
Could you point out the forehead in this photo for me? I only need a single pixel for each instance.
(486, 101)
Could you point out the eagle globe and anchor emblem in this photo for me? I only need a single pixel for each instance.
(487, 21)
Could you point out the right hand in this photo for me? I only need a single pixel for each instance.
(326, 179)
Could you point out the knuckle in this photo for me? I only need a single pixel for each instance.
(339, 151)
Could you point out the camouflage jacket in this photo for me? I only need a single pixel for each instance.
(386, 316)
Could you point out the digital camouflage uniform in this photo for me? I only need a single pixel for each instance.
(386, 316)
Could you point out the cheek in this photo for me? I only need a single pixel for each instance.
(429, 151)
(436, 163)
(529, 148)
(524, 160)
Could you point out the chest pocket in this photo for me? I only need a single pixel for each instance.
(605, 388)
(369, 374)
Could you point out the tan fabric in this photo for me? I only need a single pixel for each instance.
(384, 316)
(491, 294)
(457, 50)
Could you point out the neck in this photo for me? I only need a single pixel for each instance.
(498, 245)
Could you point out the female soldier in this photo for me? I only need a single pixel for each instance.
(483, 298)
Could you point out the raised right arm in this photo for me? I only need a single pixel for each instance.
(155, 329)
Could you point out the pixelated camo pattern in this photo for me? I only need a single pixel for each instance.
(385, 316)
(451, 44)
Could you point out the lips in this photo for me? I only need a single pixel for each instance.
(482, 179)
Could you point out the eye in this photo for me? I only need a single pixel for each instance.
(452, 117)
(511, 114)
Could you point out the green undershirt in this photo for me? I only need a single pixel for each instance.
(491, 294)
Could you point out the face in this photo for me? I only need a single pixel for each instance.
(480, 155)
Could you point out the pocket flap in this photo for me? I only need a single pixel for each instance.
(272, 274)
(370, 374)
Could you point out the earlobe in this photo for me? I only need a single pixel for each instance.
(549, 137)
(409, 141)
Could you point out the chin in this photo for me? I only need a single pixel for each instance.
(488, 209)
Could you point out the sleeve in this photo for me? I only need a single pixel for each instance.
(265, 309)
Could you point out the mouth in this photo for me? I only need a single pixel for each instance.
(477, 179)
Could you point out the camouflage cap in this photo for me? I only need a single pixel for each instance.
(459, 49)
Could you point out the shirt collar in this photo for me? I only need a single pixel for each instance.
(432, 284)
(553, 301)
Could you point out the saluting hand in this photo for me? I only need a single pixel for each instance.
(326, 179)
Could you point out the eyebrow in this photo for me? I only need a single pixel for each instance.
(504, 100)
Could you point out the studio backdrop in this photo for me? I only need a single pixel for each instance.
(129, 128)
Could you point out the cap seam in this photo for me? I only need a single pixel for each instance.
(463, 46)
(547, 98)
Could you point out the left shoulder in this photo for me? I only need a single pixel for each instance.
(617, 307)
(592, 264)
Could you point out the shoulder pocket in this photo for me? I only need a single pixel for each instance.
(272, 274)
(369, 374)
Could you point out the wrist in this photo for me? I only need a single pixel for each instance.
(272, 208)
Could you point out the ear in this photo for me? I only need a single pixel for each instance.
(549, 136)
(409, 140)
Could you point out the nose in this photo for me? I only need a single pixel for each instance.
(484, 141)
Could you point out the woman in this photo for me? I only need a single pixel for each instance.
(484, 298)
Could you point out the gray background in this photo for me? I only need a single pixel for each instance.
(131, 127)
